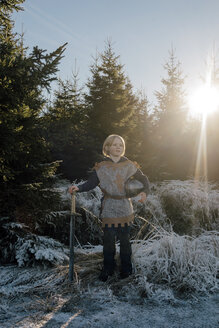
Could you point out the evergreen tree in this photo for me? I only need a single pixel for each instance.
(64, 125)
(110, 100)
(170, 119)
(24, 171)
(139, 139)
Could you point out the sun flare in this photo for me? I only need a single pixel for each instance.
(204, 101)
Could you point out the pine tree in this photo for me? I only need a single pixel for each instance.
(110, 100)
(170, 116)
(64, 124)
(139, 139)
(24, 171)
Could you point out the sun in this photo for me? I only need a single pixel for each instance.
(204, 101)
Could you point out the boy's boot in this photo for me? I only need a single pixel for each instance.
(125, 273)
(126, 266)
(105, 274)
(108, 269)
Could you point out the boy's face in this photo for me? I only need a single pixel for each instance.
(117, 148)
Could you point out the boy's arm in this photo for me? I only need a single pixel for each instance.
(90, 184)
(143, 179)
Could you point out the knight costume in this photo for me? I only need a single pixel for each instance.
(116, 210)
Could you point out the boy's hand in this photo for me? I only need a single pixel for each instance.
(143, 197)
(72, 189)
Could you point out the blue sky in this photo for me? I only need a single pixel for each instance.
(142, 33)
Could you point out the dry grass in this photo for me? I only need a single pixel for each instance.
(166, 261)
(86, 271)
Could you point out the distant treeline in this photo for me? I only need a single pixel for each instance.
(163, 138)
(40, 139)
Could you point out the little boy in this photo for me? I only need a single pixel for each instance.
(116, 210)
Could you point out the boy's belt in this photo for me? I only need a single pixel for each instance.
(107, 195)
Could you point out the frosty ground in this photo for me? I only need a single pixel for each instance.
(37, 297)
(175, 279)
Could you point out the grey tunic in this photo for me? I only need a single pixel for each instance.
(116, 208)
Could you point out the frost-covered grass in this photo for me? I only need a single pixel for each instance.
(45, 300)
(174, 276)
(164, 264)
(182, 263)
(187, 207)
(15, 281)
(191, 206)
(176, 266)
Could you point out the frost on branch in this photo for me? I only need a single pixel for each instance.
(27, 249)
(40, 250)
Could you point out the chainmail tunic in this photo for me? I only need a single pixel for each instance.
(116, 208)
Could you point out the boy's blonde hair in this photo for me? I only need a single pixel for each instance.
(109, 141)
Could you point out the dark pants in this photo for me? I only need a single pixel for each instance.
(109, 249)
